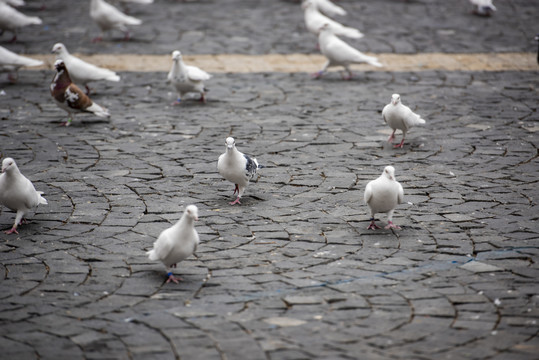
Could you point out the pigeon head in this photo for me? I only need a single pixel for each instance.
(59, 65)
(395, 99)
(58, 49)
(176, 55)
(192, 212)
(389, 172)
(230, 143)
(8, 164)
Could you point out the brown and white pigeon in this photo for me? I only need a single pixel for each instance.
(107, 17)
(401, 117)
(70, 97)
(383, 195)
(17, 192)
(12, 19)
(11, 62)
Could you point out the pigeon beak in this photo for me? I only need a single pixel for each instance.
(196, 219)
(229, 147)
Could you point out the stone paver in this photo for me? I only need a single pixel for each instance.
(292, 273)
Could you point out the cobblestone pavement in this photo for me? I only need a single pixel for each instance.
(292, 273)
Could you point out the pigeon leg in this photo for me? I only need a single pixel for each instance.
(390, 225)
(392, 136)
(66, 123)
(372, 225)
(87, 89)
(237, 201)
(203, 97)
(13, 77)
(236, 190)
(350, 74)
(172, 278)
(18, 221)
(126, 36)
(14, 38)
(318, 74)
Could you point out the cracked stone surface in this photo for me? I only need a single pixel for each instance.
(292, 273)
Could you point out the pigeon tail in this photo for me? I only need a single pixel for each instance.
(351, 33)
(373, 61)
(113, 78)
(152, 255)
(98, 110)
(41, 199)
(129, 20)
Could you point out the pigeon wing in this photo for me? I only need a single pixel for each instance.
(196, 74)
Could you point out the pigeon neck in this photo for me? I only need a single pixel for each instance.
(184, 220)
(62, 79)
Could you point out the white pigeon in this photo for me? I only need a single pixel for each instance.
(14, 3)
(145, 2)
(328, 8)
(483, 7)
(108, 18)
(17, 193)
(80, 71)
(11, 62)
(186, 78)
(12, 19)
(314, 20)
(401, 117)
(176, 243)
(383, 195)
(340, 53)
(237, 168)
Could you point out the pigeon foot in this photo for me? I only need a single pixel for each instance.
(11, 231)
(400, 145)
(237, 201)
(97, 39)
(390, 225)
(317, 75)
(373, 226)
(177, 102)
(174, 279)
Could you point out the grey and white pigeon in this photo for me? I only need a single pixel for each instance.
(11, 62)
(328, 8)
(483, 7)
(12, 19)
(383, 195)
(237, 168)
(80, 71)
(339, 53)
(400, 117)
(186, 78)
(176, 243)
(18, 193)
(108, 17)
(314, 20)
(70, 97)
